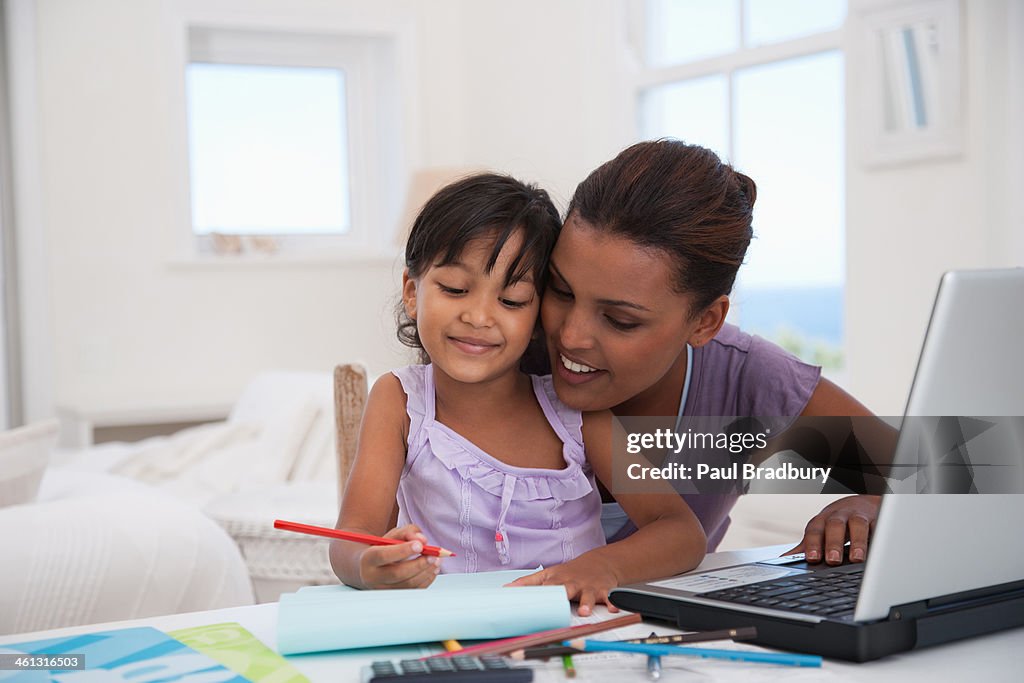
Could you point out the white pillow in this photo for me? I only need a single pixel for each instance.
(296, 414)
(24, 456)
(316, 460)
(263, 397)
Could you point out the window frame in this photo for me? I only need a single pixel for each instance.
(377, 51)
(727, 64)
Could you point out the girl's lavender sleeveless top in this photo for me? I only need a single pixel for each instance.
(735, 374)
(492, 515)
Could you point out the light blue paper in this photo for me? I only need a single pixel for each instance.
(464, 606)
(441, 582)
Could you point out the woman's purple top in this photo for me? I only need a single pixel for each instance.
(735, 374)
(492, 515)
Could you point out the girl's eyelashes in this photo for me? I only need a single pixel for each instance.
(508, 303)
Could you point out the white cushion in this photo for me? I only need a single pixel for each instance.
(295, 411)
(24, 456)
(108, 556)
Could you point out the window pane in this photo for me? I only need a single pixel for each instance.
(772, 21)
(789, 139)
(268, 149)
(686, 30)
(695, 111)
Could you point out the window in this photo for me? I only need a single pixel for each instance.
(267, 150)
(761, 83)
(287, 145)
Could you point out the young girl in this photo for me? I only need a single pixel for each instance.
(474, 455)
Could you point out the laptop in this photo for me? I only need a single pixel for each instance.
(940, 567)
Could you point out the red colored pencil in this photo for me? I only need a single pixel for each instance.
(555, 635)
(353, 536)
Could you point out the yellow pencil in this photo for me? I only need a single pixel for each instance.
(452, 645)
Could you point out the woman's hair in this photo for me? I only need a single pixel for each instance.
(483, 206)
(680, 199)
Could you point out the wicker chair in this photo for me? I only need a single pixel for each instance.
(349, 402)
(282, 561)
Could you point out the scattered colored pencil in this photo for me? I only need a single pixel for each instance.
(743, 633)
(353, 536)
(452, 645)
(506, 645)
(669, 650)
(548, 651)
(570, 669)
(653, 667)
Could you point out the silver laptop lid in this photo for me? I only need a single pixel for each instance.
(971, 362)
(971, 365)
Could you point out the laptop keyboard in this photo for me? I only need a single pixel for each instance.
(825, 594)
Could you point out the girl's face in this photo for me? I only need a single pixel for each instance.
(616, 328)
(473, 327)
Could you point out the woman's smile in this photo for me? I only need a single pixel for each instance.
(574, 373)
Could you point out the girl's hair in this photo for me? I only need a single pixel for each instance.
(482, 206)
(680, 199)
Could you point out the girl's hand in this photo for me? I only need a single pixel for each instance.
(398, 566)
(586, 579)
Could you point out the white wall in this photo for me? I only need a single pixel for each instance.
(113, 319)
(908, 224)
(117, 320)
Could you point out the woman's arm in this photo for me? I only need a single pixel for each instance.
(853, 517)
(369, 504)
(669, 539)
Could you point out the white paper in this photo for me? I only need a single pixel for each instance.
(727, 578)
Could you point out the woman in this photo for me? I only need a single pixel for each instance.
(635, 310)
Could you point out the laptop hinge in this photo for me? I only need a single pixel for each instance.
(1000, 591)
(908, 611)
(954, 601)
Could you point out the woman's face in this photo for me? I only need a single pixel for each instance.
(616, 328)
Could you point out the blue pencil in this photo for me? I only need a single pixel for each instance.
(667, 650)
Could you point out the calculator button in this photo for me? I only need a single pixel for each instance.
(458, 669)
(465, 663)
(440, 664)
(493, 662)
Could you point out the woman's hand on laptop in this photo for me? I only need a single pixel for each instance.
(852, 518)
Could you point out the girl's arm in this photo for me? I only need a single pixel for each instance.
(669, 539)
(369, 504)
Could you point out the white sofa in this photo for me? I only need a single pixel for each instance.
(83, 547)
(171, 524)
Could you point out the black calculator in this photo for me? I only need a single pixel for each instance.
(457, 669)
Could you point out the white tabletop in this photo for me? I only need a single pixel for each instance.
(997, 657)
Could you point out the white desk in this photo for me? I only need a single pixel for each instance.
(998, 657)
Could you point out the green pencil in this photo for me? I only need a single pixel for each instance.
(570, 669)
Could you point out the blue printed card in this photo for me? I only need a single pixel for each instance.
(131, 655)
